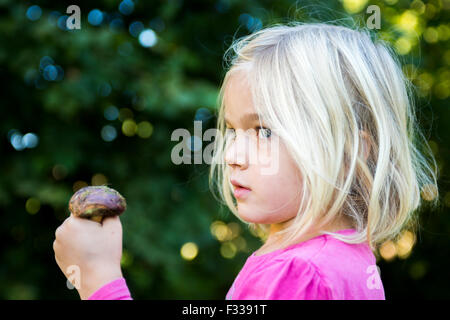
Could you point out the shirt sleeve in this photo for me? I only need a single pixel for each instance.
(296, 279)
(114, 290)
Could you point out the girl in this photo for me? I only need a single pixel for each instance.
(320, 156)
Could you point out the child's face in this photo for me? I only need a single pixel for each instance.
(274, 197)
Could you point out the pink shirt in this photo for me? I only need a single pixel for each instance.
(115, 290)
(321, 268)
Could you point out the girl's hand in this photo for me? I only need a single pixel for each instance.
(89, 253)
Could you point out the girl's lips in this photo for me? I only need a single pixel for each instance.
(238, 184)
(240, 192)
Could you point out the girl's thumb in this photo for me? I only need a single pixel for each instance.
(111, 223)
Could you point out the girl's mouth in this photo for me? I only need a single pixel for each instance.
(240, 191)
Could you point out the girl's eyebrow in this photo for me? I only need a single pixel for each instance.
(247, 117)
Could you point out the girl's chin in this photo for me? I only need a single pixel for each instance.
(252, 218)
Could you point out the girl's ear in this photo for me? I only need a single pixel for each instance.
(366, 145)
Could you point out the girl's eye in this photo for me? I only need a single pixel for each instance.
(264, 133)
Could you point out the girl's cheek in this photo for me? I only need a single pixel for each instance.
(268, 164)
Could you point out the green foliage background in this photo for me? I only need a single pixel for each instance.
(166, 85)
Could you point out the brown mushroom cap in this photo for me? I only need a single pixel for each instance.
(97, 202)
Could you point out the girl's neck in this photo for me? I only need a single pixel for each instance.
(273, 242)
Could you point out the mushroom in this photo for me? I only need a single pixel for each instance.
(97, 202)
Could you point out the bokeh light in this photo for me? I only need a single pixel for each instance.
(144, 129)
(16, 142)
(407, 21)
(354, 6)
(418, 269)
(405, 244)
(221, 231)
(44, 62)
(20, 142)
(108, 133)
(189, 251)
(136, 28)
(77, 185)
(127, 259)
(235, 229)
(59, 172)
(34, 13)
(257, 232)
(147, 38)
(388, 250)
(228, 250)
(125, 113)
(33, 205)
(129, 127)
(442, 89)
(50, 73)
(429, 192)
(431, 35)
(424, 81)
(443, 32)
(418, 6)
(403, 45)
(111, 113)
(240, 243)
(104, 89)
(116, 24)
(99, 179)
(53, 17)
(30, 76)
(62, 22)
(430, 11)
(30, 140)
(126, 7)
(202, 114)
(251, 23)
(11, 133)
(95, 17)
(60, 74)
(410, 71)
(48, 69)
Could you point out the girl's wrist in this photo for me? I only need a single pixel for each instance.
(94, 280)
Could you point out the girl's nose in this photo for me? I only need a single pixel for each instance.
(237, 152)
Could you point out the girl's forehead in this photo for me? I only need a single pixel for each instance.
(237, 97)
(240, 113)
(239, 79)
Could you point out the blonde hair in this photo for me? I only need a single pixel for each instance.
(319, 86)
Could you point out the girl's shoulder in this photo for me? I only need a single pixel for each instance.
(332, 266)
(283, 274)
(323, 256)
(309, 249)
(327, 254)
